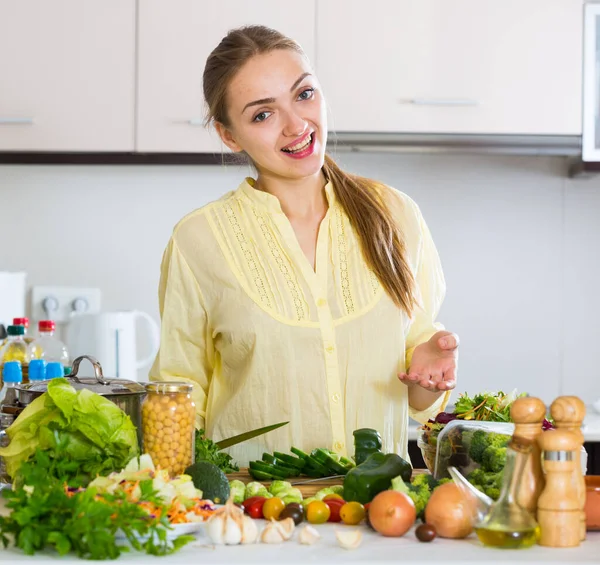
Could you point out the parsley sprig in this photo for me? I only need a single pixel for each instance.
(46, 514)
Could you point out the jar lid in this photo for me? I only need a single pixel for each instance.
(164, 387)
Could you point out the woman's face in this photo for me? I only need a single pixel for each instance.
(277, 115)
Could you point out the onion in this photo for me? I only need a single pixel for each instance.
(450, 512)
(392, 513)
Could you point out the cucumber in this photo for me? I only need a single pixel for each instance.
(300, 453)
(268, 458)
(260, 476)
(313, 464)
(328, 461)
(289, 460)
(275, 472)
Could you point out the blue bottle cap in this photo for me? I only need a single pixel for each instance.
(11, 373)
(54, 370)
(37, 370)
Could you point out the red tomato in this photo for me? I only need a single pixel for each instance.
(254, 506)
(334, 506)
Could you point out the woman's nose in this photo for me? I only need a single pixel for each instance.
(295, 125)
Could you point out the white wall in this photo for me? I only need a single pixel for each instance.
(518, 242)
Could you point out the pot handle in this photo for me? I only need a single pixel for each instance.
(97, 369)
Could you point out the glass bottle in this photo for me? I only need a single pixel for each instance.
(507, 524)
(168, 417)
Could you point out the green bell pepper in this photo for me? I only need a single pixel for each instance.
(375, 475)
(366, 442)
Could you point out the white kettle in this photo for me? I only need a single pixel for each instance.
(110, 337)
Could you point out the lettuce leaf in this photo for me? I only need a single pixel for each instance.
(95, 431)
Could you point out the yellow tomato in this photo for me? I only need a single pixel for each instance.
(273, 508)
(333, 497)
(352, 513)
(317, 512)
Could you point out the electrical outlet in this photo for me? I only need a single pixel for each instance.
(62, 303)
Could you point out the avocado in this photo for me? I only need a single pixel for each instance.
(213, 483)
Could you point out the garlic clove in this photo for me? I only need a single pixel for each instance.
(308, 535)
(349, 539)
(287, 527)
(249, 530)
(225, 526)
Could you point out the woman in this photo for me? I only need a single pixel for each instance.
(307, 295)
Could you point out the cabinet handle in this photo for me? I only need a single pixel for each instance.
(444, 102)
(16, 121)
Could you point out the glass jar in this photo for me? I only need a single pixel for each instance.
(168, 416)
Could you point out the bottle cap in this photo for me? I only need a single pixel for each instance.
(54, 370)
(21, 322)
(11, 372)
(46, 326)
(15, 330)
(37, 370)
(68, 371)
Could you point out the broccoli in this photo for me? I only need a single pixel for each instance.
(481, 440)
(424, 479)
(419, 493)
(476, 477)
(494, 459)
(487, 482)
(444, 481)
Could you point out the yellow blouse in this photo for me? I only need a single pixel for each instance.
(265, 338)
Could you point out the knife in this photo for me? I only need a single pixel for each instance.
(248, 435)
(317, 480)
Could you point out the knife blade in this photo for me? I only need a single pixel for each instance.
(317, 480)
(248, 435)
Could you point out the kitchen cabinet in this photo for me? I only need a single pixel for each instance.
(67, 73)
(460, 66)
(175, 39)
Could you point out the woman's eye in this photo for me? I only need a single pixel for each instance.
(306, 94)
(261, 117)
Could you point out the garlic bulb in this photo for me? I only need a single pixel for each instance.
(229, 526)
(308, 535)
(278, 532)
(349, 539)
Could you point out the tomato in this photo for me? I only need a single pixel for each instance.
(333, 497)
(254, 506)
(334, 508)
(272, 508)
(317, 512)
(352, 513)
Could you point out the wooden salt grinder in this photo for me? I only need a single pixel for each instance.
(528, 414)
(558, 507)
(568, 413)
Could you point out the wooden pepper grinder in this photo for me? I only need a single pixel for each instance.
(568, 413)
(558, 506)
(528, 415)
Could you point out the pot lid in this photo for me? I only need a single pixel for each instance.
(98, 383)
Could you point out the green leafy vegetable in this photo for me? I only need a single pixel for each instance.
(207, 450)
(98, 436)
(491, 407)
(45, 514)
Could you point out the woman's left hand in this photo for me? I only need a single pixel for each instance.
(434, 363)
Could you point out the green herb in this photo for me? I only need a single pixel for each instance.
(45, 515)
(490, 407)
(208, 450)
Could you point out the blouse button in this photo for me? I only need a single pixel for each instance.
(338, 446)
(330, 349)
(335, 397)
(321, 303)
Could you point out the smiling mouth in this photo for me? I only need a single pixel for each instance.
(300, 146)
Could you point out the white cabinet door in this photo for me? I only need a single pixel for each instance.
(67, 75)
(452, 66)
(175, 39)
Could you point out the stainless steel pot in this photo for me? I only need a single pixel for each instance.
(127, 395)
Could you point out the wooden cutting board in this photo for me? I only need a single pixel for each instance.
(308, 489)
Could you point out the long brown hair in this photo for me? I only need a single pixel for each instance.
(363, 200)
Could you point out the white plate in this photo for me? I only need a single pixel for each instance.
(177, 530)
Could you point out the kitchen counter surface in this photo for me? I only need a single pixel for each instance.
(374, 549)
(590, 429)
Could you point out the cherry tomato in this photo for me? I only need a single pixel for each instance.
(254, 508)
(352, 513)
(317, 512)
(334, 509)
(333, 497)
(252, 500)
(272, 508)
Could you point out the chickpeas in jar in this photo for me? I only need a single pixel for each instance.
(168, 416)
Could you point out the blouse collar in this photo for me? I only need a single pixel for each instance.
(270, 202)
